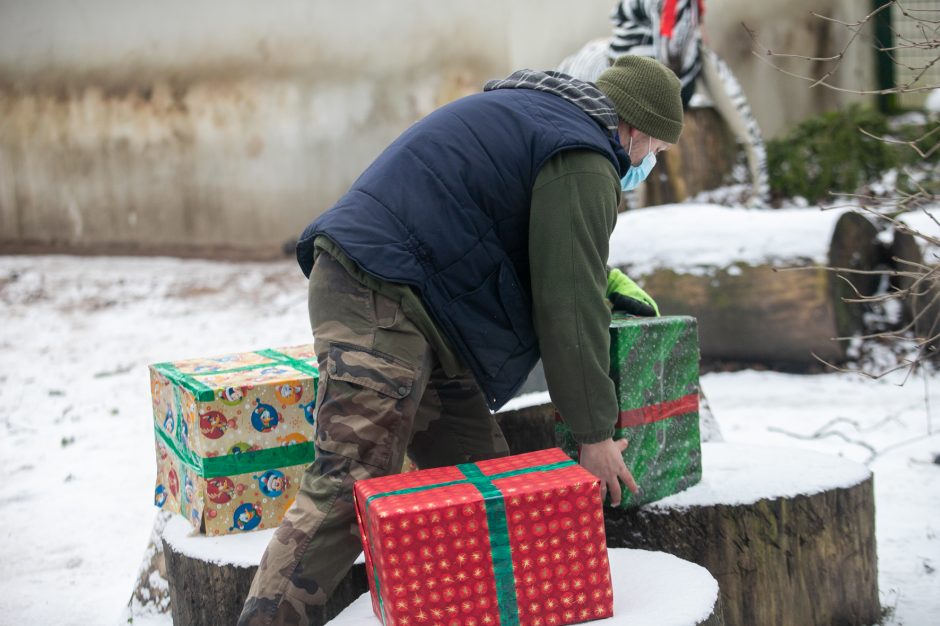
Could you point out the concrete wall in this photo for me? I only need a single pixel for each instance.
(786, 26)
(219, 127)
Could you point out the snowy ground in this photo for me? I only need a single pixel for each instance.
(76, 438)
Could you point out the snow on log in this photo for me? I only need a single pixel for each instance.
(788, 533)
(721, 265)
(209, 577)
(650, 589)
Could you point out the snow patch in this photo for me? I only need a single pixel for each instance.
(740, 474)
(242, 550)
(932, 103)
(76, 433)
(650, 589)
(526, 400)
(926, 223)
(664, 237)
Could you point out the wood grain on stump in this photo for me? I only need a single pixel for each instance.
(789, 534)
(650, 589)
(209, 577)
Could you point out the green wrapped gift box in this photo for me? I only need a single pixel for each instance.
(654, 364)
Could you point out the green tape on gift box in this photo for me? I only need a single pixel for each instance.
(498, 531)
(499, 543)
(204, 393)
(242, 462)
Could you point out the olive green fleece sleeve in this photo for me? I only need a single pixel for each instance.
(574, 209)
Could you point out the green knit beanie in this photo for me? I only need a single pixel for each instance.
(646, 95)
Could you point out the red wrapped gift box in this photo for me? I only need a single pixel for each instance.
(517, 540)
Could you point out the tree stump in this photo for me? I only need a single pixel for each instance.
(788, 533)
(752, 311)
(854, 247)
(905, 249)
(209, 577)
(650, 589)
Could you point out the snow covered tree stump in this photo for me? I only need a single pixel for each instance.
(209, 577)
(650, 589)
(789, 534)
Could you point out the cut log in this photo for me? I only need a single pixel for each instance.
(905, 249)
(748, 309)
(926, 306)
(789, 535)
(854, 247)
(650, 589)
(922, 307)
(209, 577)
(700, 161)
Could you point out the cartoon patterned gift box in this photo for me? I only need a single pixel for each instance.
(234, 435)
(517, 540)
(654, 364)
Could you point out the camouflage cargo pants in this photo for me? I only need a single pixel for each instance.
(381, 393)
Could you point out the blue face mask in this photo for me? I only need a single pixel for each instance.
(637, 173)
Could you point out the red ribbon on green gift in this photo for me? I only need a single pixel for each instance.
(658, 412)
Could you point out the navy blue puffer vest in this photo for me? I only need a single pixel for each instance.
(445, 208)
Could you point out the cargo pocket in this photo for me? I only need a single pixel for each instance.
(364, 404)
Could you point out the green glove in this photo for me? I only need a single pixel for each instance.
(626, 296)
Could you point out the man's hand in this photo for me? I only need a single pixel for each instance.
(626, 296)
(604, 459)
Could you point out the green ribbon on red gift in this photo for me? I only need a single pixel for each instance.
(241, 462)
(204, 393)
(497, 524)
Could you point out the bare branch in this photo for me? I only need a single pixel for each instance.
(848, 370)
(856, 28)
(912, 144)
